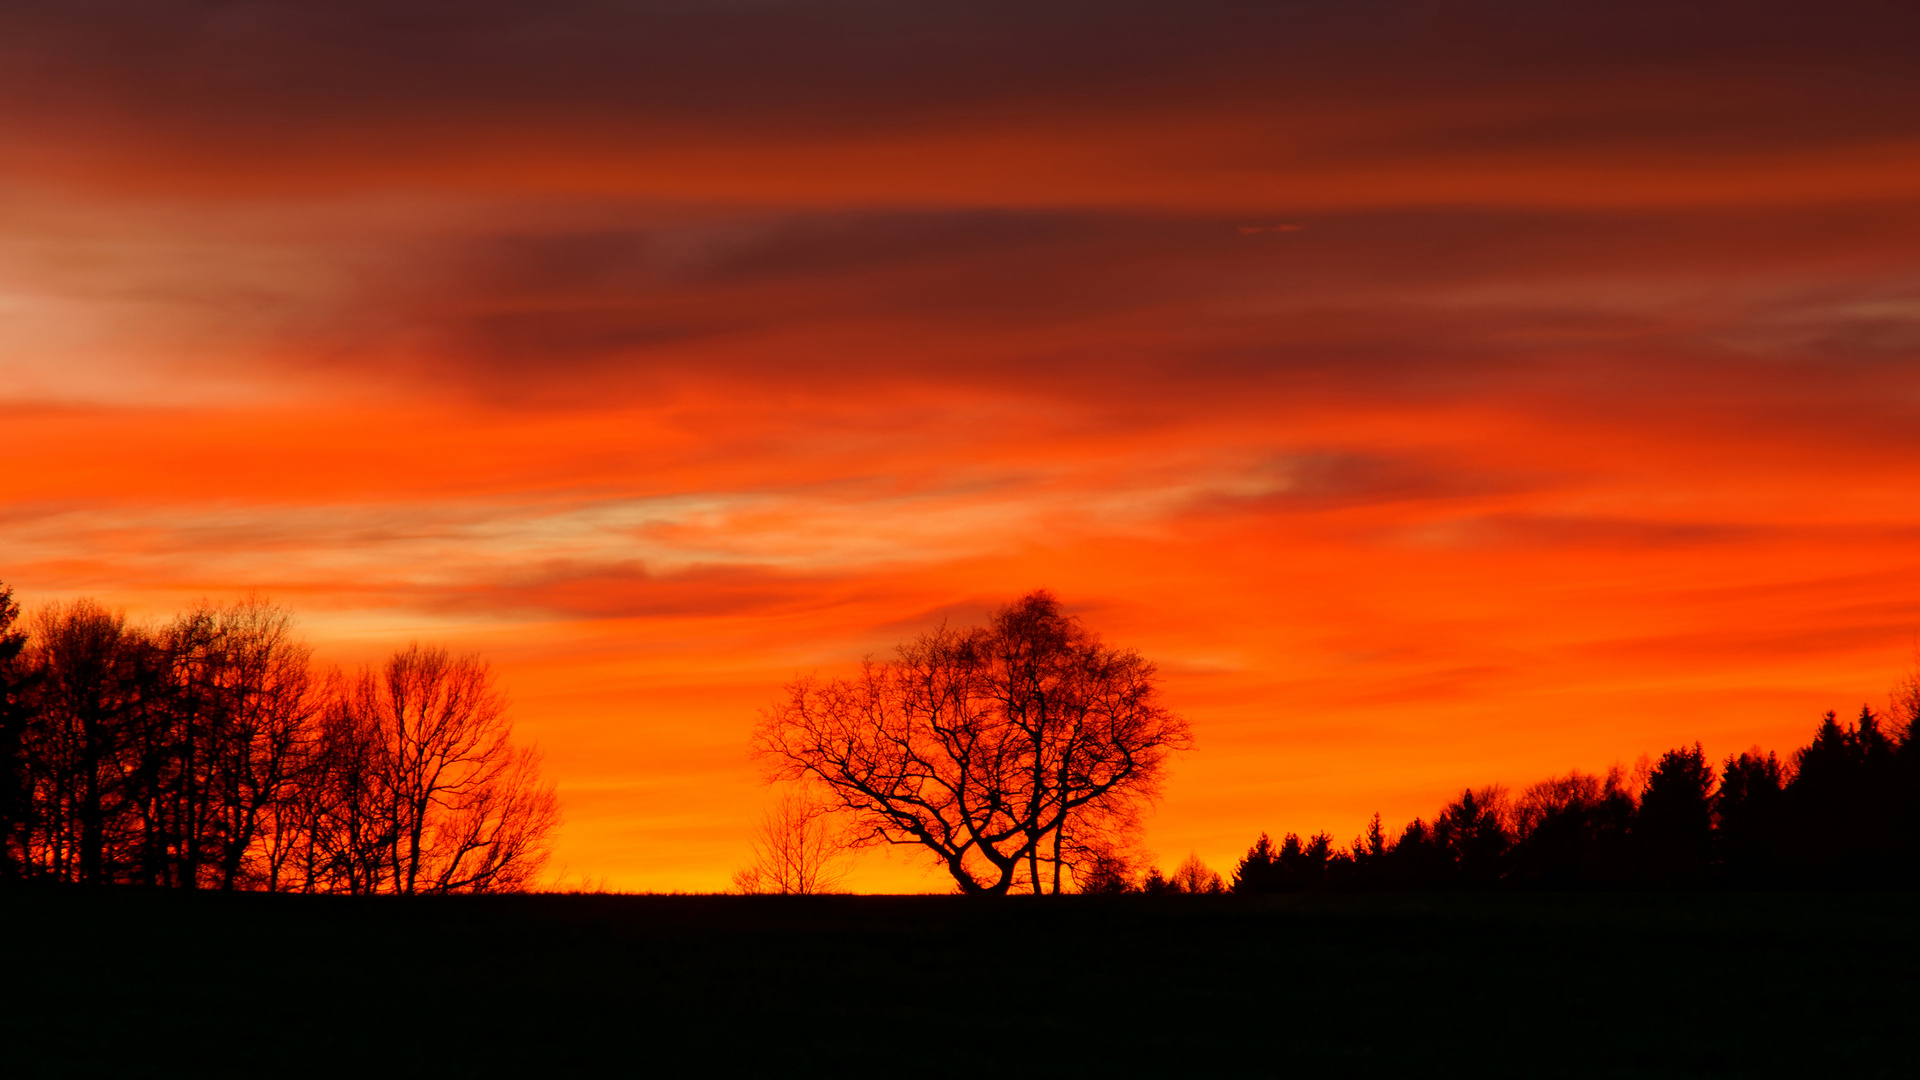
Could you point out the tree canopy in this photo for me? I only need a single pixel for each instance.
(210, 752)
(1014, 752)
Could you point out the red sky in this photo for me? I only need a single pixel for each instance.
(1442, 394)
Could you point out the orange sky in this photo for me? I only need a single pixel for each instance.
(1441, 394)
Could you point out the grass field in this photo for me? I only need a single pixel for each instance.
(143, 983)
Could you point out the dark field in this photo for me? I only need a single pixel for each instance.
(144, 983)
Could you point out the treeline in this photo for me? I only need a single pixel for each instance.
(212, 753)
(1842, 811)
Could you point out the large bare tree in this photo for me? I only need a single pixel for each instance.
(1008, 751)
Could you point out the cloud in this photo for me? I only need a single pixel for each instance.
(564, 589)
(849, 101)
(1110, 310)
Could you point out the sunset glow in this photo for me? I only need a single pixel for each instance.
(1437, 400)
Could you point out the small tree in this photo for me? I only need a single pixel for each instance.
(799, 850)
(1905, 702)
(1196, 878)
(1108, 870)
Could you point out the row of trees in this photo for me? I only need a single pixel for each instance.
(211, 752)
(1844, 810)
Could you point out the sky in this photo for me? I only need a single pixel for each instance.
(1441, 394)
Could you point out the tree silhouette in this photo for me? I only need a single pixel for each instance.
(17, 709)
(797, 852)
(1365, 862)
(1903, 780)
(1107, 870)
(1750, 835)
(1410, 860)
(220, 745)
(1846, 812)
(1157, 883)
(1673, 832)
(208, 754)
(341, 803)
(469, 812)
(1258, 870)
(1003, 750)
(1306, 864)
(95, 693)
(1196, 878)
(1471, 834)
(1904, 702)
(1571, 831)
(1841, 801)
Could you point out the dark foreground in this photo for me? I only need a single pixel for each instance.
(145, 983)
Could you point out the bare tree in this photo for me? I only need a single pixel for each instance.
(1196, 877)
(408, 782)
(468, 811)
(1106, 870)
(90, 666)
(798, 851)
(997, 748)
(1906, 702)
(495, 835)
(240, 704)
(207, 754)
(341, 808)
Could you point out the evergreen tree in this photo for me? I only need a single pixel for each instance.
(1843, 804)
(1472, 837)
(1256, 872)
(1306, 864)
(1750, 833)
(1365, 860)
(1417, 860)
(1673, 831)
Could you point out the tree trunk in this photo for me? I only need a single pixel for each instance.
(1057, 830)
(93, 838)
